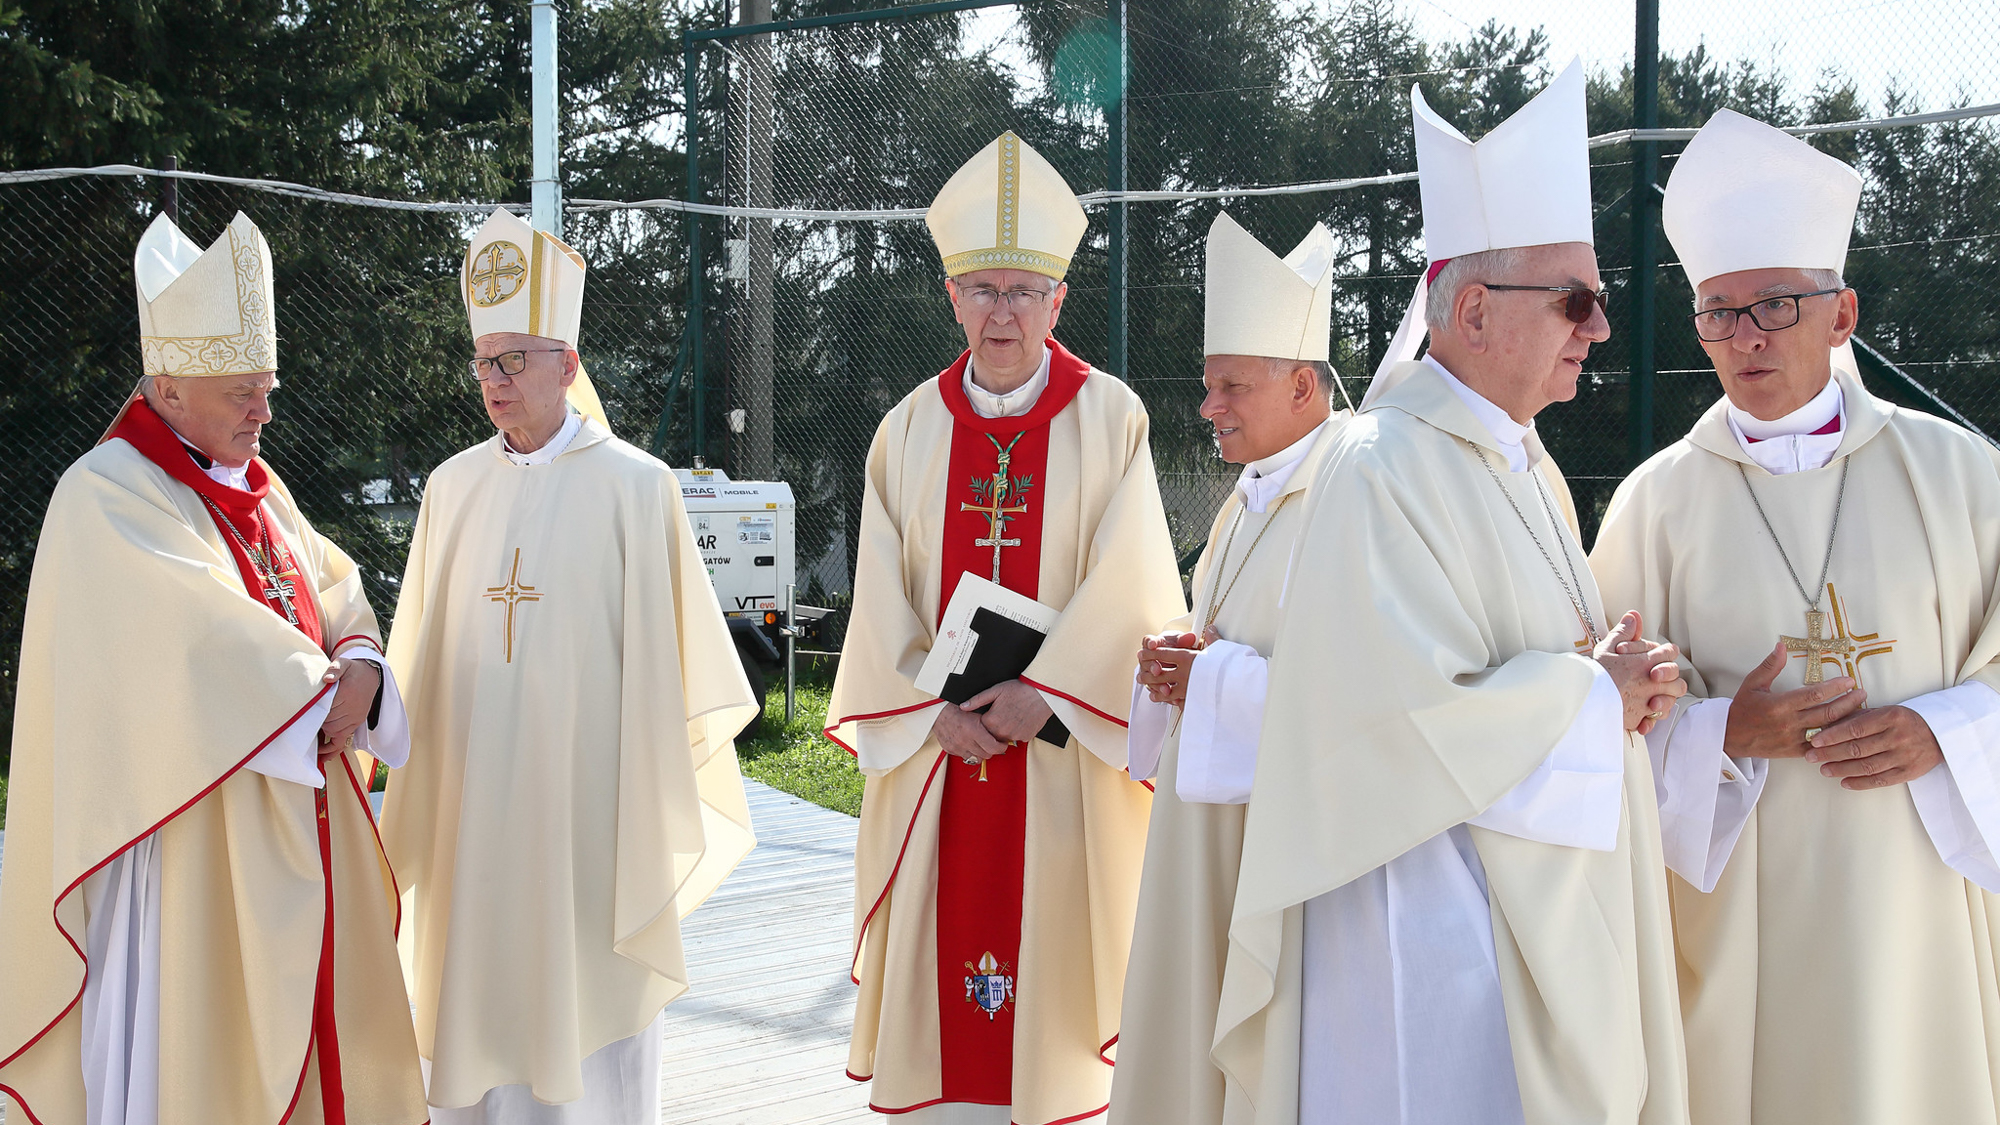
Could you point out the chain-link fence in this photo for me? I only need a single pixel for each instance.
(817, 302)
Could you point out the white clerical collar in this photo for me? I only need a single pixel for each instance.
(1511, 435)
(1020, 400)
(1263, 481)
(228, 476)
(550, 449)
(1793, 444)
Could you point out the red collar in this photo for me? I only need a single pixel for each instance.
(1066, 377)
(150, 435)
(1832, 427)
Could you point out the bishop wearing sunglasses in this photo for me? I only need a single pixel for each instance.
(1826, 563)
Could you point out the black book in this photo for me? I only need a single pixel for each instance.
(1003, 651)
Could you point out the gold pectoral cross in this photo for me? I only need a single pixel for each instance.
(513, 593)
(1844, 650)
(993, 494)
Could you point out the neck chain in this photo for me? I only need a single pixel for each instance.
(1572, 586)
(1221, 564)
(1839, 501)
(274, 588)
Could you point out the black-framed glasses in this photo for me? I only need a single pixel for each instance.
(510, 364)
(986, 297)
(1772, 314)
(1576, 306)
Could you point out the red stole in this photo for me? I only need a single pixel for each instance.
(243, 512)
(982, 832)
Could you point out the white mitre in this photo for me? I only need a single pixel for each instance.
(1748, 196)
(205, 313)
(519, 279)
(1006, 208)
(1525, 183)
(1256, 303)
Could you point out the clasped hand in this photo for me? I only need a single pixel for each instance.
(1828, 724)
(1014, 712)
(1646, 673)
(1166, 661)
(352, 700)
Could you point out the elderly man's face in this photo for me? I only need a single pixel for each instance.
(1005, 324)
(223, 416)
(530, 403)
(1533, 347)
(1770, 373)
(1259, 406)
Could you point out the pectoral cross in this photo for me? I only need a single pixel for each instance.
(993, 494)
(513, 593)
(1843, 650)
(277, 587)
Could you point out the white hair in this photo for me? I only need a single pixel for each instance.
(1468, 269)
(1820, 279)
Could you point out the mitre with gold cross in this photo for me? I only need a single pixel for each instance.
(1006, 208)
(519, 279)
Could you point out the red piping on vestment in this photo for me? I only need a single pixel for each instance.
(56, 907)
(395, 887)
(1108, 1044)
(827, 731)
(861, 934)
(1080, 703)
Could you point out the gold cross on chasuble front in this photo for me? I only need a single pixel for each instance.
(513, 593)
(1844, 650)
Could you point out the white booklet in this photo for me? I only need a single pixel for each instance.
(1014, 626)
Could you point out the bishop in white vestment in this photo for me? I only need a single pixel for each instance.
(573, 790)
(1198, 701)
(1450, 906)
(998, 862)
(1813, 551)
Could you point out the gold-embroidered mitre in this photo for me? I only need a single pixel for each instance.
(1007, 209)
(205, 312)
(1256, 303)
(519, 279)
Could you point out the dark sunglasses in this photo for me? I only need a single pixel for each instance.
(1576, 307)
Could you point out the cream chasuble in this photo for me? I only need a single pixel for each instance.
(1105, 560)
(212, 872)
(1174, 981)
(1841, 971)
(573, 790)
(1441, 667)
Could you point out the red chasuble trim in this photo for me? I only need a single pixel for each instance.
(995, 492)
(238, 514)
(13, 1095)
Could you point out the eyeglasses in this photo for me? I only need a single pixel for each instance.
(1772, 314)
(1576, 307)
(986, 297)
(509, 363)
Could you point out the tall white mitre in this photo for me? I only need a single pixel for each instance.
(205, 313)
(1525, 183)
(1006, 208)
(1256, 303)
(519, 279)
(1747, 196)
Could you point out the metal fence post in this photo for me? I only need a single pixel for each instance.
(690, 90)
(545, 191)
(1645, 226)
(1115, 124)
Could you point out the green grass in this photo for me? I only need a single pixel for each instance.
(798, 759)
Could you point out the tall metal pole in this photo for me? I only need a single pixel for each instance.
(760, 290)
(1115, 124)
(545, 200)
(1645, 226)
(690, 89)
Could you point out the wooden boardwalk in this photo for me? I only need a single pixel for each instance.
(761, 1038)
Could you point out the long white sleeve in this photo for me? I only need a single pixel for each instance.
(1151, 722)
(1576, 797)
(293, 754)
(388, 739)
(1705, 796)
(1959, 801)
(1221, 724)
